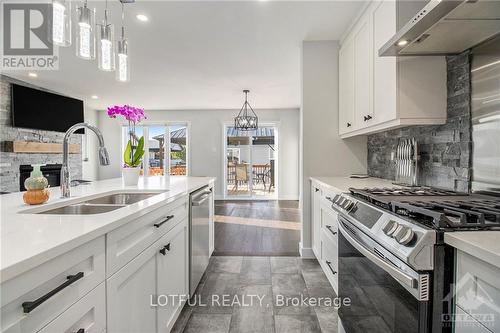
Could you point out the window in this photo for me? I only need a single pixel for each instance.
(158, 160)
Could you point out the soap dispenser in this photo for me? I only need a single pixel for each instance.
(36, 186)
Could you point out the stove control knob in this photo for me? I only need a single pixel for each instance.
(349, 205)
(404, 235)
(390, 228)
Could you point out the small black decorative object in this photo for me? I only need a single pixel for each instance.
(246, 120)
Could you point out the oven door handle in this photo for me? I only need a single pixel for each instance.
(404, 278)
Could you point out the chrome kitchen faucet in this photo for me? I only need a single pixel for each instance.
(65, 175)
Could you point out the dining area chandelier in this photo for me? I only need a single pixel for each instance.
(247, 119)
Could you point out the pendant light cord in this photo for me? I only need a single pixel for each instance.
(123, 22)
(106, 14)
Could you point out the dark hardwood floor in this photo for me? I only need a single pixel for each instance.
(257, 228)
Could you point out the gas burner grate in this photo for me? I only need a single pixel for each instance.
(411, 191)
(460, 214)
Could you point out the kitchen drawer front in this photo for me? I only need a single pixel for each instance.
(328, 220)
(88, 314)
(329, 258)
(327, 196)
(126, 242)
(478, 290)
(57, 284)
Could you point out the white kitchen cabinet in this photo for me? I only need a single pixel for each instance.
(346, 86)
(477, 292)
(467, 324)
(160, 270)
(34, 298)
(329, 242)
(88, 315)
(315, 219)
(325, 231)
(172, 275)
(125, 243)
(363, 106)
(384, 68)
(389, 92)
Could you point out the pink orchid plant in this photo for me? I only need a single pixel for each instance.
(134, 151)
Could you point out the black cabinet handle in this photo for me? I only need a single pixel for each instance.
(368, 117)
(316, 189)
(165, 249)
(30, 306)
(159, 224)
(349, 124)
(329, 263)
(81, 330)
(329, 227)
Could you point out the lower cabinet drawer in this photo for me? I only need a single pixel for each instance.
(329, 259)
(31, 300)
(88, 315)
(126, 242)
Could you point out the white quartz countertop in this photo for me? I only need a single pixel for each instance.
(484, 245)
(342, 183)
(28, 239)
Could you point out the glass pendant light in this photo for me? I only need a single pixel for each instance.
(122, 57)
(61, 22)
(85, 37)
(246, 120)
(105, 44)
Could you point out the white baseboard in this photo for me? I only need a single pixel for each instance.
(288, 197)
(306, 252)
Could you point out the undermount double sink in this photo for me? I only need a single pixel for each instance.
(99, 205)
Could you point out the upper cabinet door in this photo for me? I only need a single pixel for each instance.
(346, 86)
(384, 68)
(363, 73)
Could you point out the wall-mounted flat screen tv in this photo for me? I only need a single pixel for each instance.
(38, 109)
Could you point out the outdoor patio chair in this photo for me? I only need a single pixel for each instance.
(241, 175)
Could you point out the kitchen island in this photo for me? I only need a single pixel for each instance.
(62, 270)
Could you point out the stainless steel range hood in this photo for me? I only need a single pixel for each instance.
(446, 27)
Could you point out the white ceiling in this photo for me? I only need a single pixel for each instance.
(200, 55)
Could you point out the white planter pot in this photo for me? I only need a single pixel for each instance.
(131, 176)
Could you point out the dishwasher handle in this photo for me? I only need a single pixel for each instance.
(202, 199)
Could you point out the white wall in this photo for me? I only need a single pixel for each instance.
(206, 144)
(322, 151)
(90, 166)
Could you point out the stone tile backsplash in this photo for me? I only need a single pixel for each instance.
(10, 162)
(445, 150)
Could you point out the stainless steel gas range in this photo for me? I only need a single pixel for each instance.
(393, 263)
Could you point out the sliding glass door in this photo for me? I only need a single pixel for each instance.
(250, 163)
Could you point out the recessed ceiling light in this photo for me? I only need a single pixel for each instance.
(402, 42)
(31, 74)
(142, 17)
(94, 97)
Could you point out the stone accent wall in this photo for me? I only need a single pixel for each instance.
(445, 150)
(10, 162)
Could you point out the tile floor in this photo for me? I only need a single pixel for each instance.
(265, 277)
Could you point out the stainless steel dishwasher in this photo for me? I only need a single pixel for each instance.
(199, 216)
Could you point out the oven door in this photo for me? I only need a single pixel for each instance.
(385, 294)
